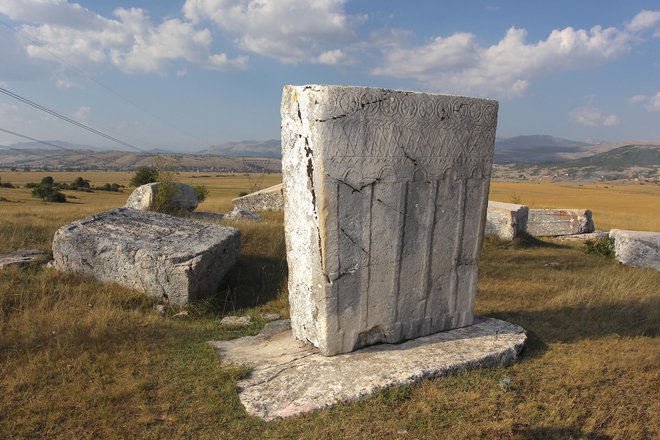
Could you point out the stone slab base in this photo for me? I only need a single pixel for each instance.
(290, 377)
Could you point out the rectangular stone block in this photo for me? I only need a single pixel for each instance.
(385, 205)
(268, 199)
(637, 248)
(506, 220)
(553, 222)
(161, 255)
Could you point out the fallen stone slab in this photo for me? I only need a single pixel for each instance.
(161, 255)
(506, 220)
(237, 214)
(637, 248)
(268, 199)
(236, 321)
(144, 197)
(553, 222)
(22, 258)
(290, 377)
(582, 237)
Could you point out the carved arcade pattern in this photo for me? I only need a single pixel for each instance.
(378, 129)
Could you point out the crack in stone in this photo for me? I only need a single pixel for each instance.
(357, 189)
(353, 241)
(407, 156)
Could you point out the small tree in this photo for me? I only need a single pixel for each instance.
(80, 183)
(48, 180)
(144, 175)
(48, 193)
(201, 192)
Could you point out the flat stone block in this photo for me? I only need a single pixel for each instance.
(506, 220)
(268, 199)
(637, 248)
(290, 377)
(582, 237)
(385, 203)
(158, 254)
(553, 222)
(144, 197)
(22, 258)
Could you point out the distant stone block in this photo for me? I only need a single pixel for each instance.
(144, 198)
(268, 199)
(158, 254)
(637, 248)
(22, 258)
(385, 204)
(553, 222)
(506, 220)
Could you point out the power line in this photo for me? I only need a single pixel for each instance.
(100, 84)
(69, 120)
(33, 139)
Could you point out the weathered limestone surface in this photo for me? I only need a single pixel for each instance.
(582, 237)
(637, 248)
(385, 203)
(290, 377)
(21, 258)
(506, 220)
(144, 197)
(552, 222)
(152, 252)
(242, 214)
(268, 199)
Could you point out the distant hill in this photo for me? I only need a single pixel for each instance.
(536, 149)
(620, 158)
(268, 148)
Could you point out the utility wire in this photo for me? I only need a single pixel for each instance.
(69, 120)
(33, 139)
(100, 84)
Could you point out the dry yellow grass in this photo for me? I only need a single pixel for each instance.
(622, 206)
(81, 359)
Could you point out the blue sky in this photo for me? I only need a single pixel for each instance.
(191, 73)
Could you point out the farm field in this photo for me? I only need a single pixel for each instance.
(82, 359)
(614, 205)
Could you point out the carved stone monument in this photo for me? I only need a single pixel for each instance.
(385, 205)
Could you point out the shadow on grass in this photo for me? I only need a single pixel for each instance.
(550, 433)
(572, 324)
(253, 281)
(523, 241)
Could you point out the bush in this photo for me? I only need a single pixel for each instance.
(48, 180)
(48, 193)
(242, 193)
(201, 192)
(31, 185)
(80, 183)
(6, 185)
(144, 175)
(114, 187)
(602, 246)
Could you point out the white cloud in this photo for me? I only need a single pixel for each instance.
(222, 62)
(593, 117)
(458, 64)
(654, 103)
(637, 99)
(290, 31)
(334, 57)
(82, 113)
(62, 83)
(130, 40)
(643, 21)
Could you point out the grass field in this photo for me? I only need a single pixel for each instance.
(81, 359)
